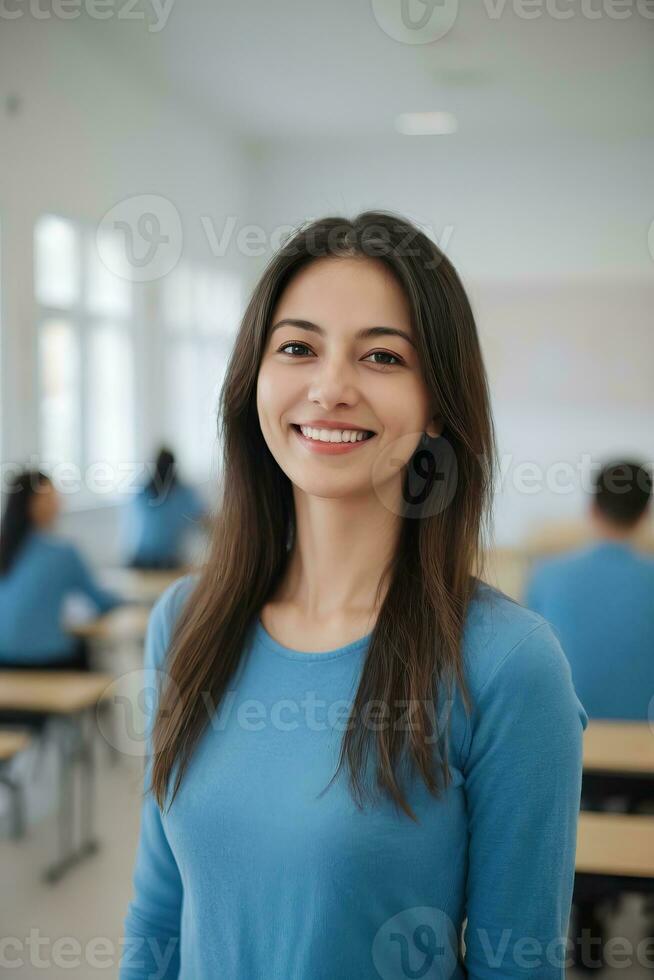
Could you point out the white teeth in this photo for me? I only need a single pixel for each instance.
(333, 435)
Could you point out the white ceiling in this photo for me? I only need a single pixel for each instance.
(290, 69)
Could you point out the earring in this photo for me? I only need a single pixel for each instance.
(438, 435)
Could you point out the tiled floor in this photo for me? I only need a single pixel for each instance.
(88, 905)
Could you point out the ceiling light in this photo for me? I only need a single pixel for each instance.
(425, 123)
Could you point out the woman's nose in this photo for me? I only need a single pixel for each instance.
(333, 381)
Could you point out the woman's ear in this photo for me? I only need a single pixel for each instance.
(435, 426)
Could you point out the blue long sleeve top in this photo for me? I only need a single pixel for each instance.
(45, 571)
(599, 599)
(154, 530)
(250, 875)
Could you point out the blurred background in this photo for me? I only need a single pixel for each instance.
(153, 156)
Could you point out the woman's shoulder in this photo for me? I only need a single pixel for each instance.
(48, 543)
(140, 496)
(503, 637)
(171, 601)
(164, 615)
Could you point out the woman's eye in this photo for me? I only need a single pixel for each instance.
(299, 346)
(385, 353)
(293, 343)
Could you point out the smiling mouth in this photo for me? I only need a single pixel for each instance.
(351, 435)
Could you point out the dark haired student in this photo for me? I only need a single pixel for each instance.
(600, 599)
(357, 746)
(160, 516)
(38, 571)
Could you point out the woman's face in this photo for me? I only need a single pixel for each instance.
(44, 504)
(337, 370)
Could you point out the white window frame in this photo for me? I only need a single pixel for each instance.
(204, 342)
(83, 321)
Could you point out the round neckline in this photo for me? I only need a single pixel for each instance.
(309, 656)
(610, 544)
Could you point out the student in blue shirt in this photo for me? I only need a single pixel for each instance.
(600, 599)
(160, 516)
(38, 571)
(362, 761)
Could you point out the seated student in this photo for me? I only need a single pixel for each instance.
(600, 600)
(159, 517)
(38, 571)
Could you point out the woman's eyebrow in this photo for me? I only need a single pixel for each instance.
(365, 332)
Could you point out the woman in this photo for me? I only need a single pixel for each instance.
(160, 516)
(357, 745)
(38, 571)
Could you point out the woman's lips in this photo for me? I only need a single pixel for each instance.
(329, 448)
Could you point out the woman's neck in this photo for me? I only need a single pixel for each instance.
(340, 550)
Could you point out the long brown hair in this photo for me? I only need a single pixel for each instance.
(415, 646)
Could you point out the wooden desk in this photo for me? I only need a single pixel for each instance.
(622, 747)
(618, 762)
(140, 585)
(615, 844)
(12, 742)
(122, 624)
(615, 854)
(72, 696)
(60, 692)
(555, 537)
(506, 569)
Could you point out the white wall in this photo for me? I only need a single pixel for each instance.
(532, 211)
(552, 244)
(87, 135)
(571, 368)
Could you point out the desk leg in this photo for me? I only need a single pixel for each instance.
(65, 810)
(82, 752)
(105, 709)
(17, 805)
(89, 843)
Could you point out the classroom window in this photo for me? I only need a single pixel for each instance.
(85, 347)
(202, 308)
(110, 392)
(57, 272)
(59, 402)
